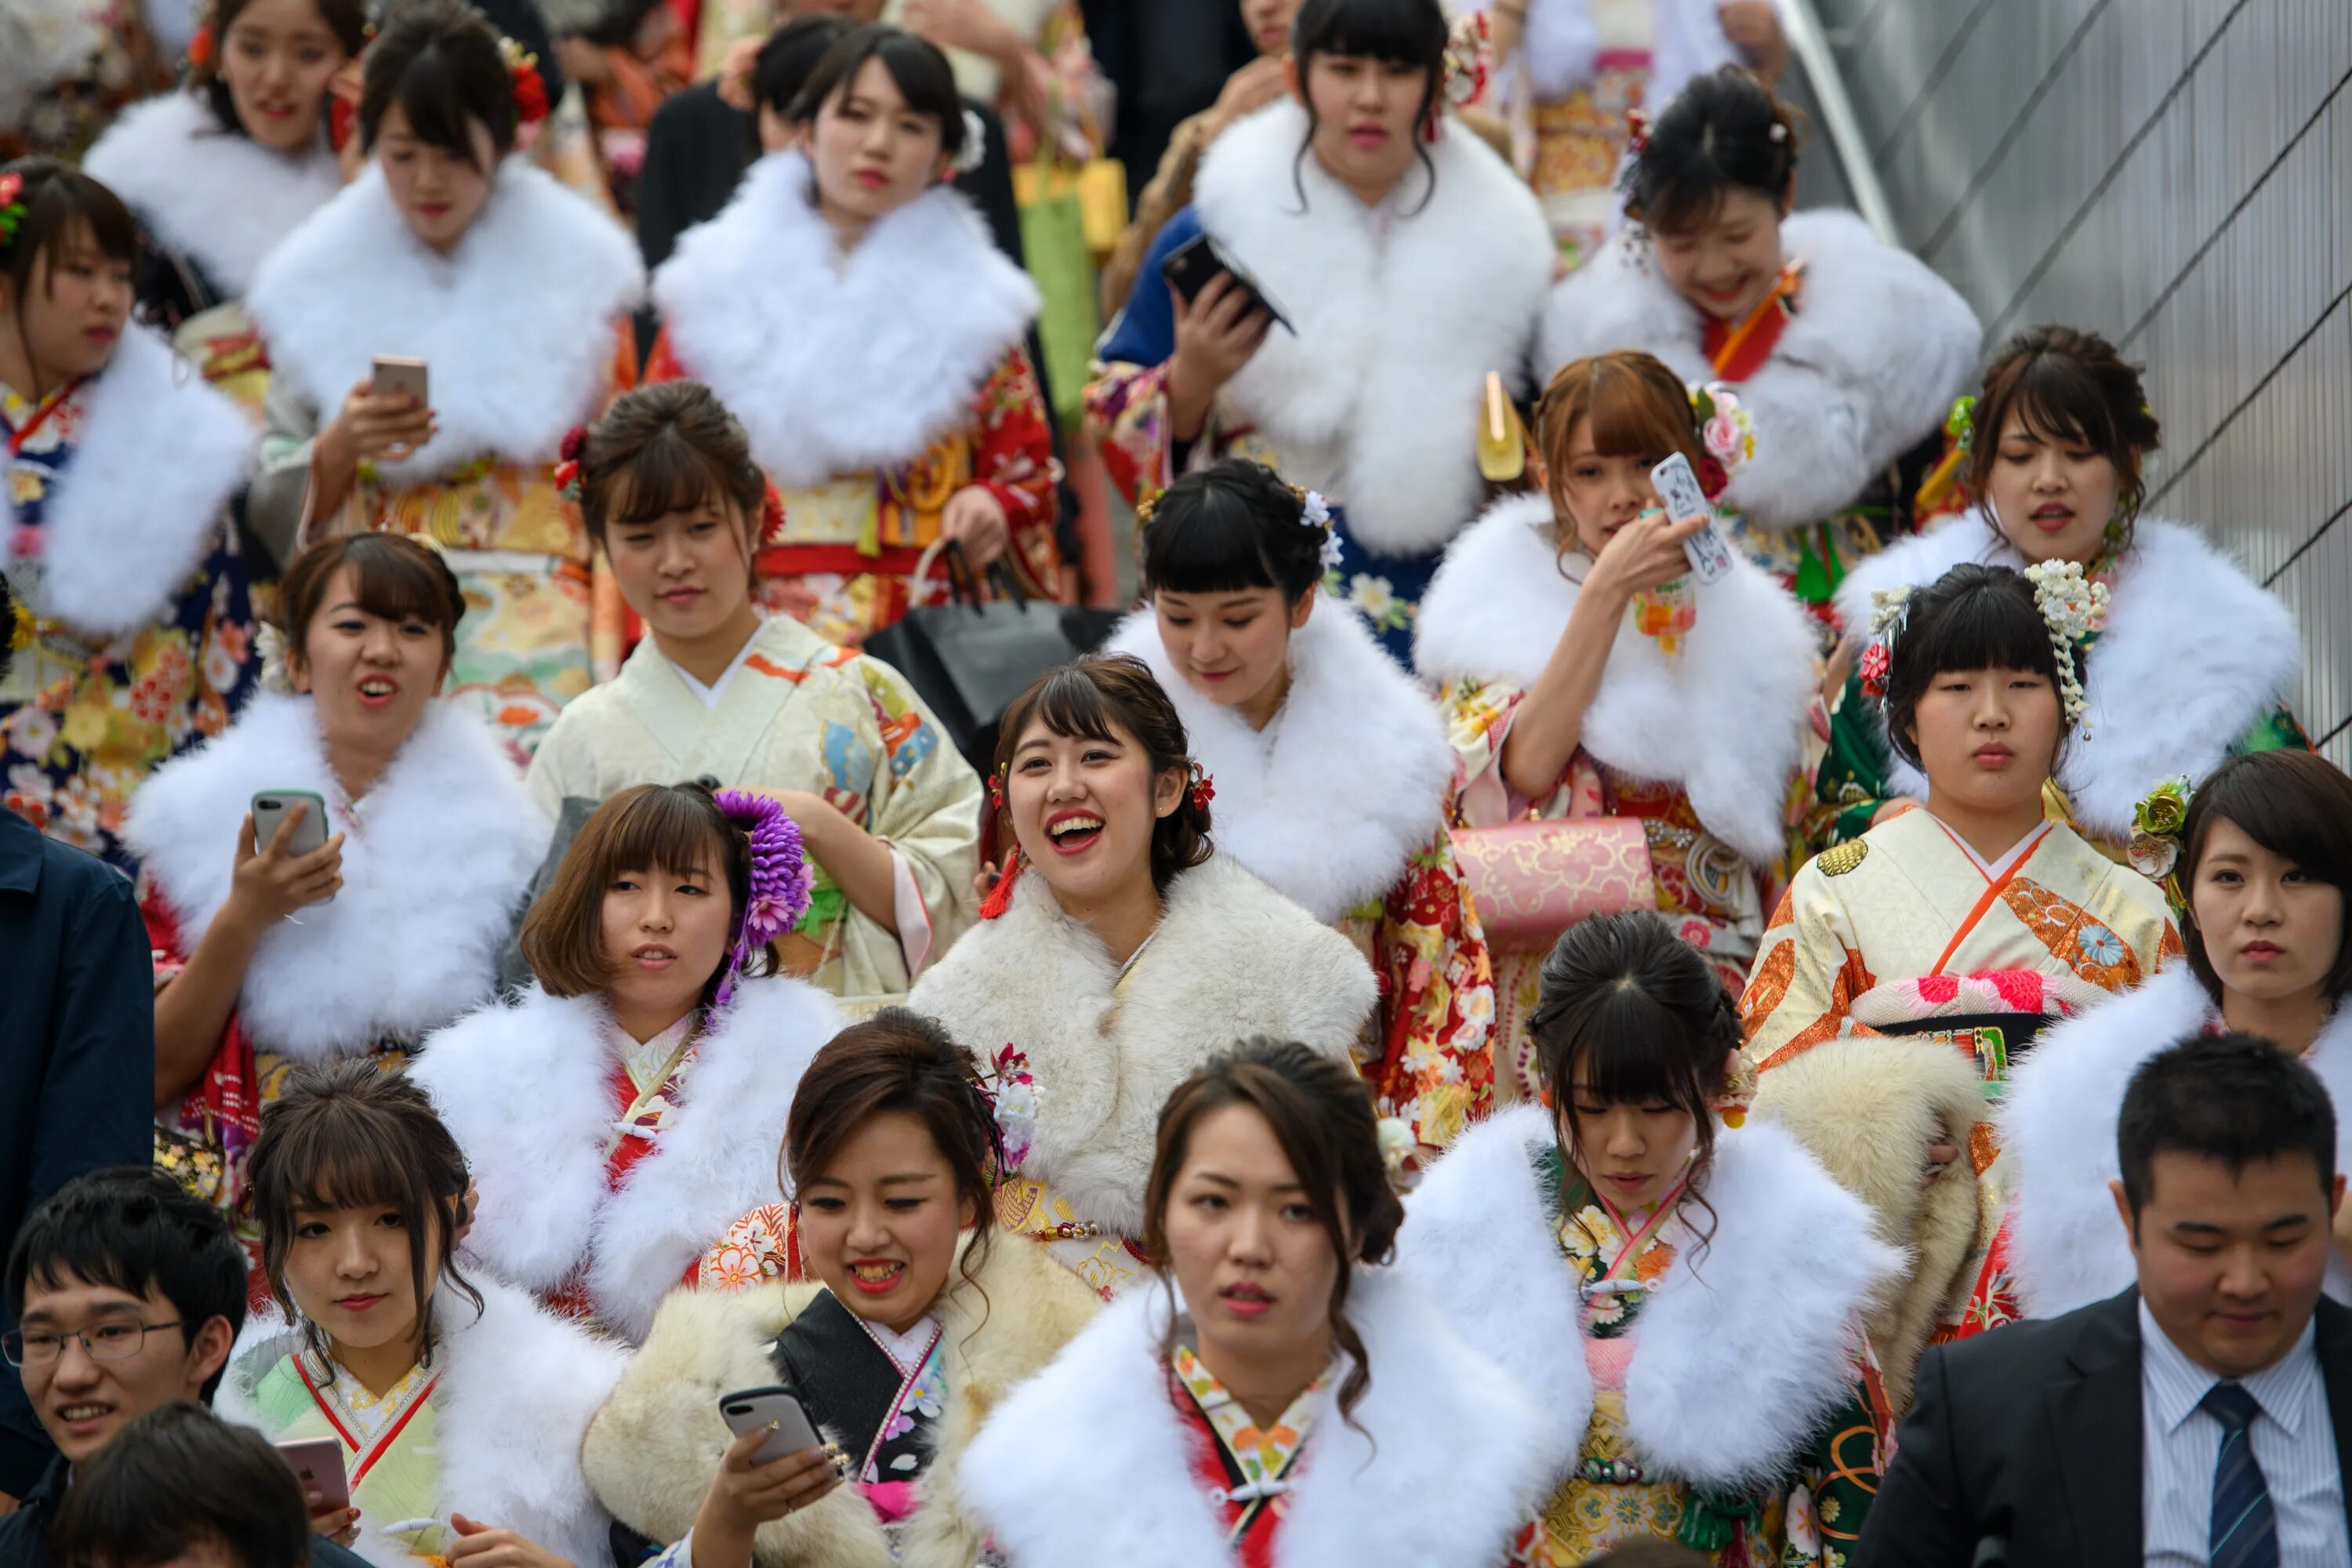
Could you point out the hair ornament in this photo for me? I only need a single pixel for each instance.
(780, 878)
(269, 642)
(529, 87)
(12, 206)
(1146, 507)
(2073, 606)
(2157, 821)
(1314, 511)
(21, 625)
(201, 42)
(999, 897)
(1780, 132)
(1205, 788)
(1469, 60)
(1637, 130)
(1010, 1092)
(1960, 424)
(1398, 1146)
(771, 513)
(975, 143)
(1738, 1093)
(1890, 611)
(567, 468)
(1726, 435)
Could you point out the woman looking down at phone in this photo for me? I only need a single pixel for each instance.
(1410, 262)
(919, 1319)
(514, 293)
(456, 1404)
(1588, 673)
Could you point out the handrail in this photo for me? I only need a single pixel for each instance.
(1811, 45)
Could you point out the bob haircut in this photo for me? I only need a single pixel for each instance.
(646, 828)
(348, 1135)
(177, 1475)
(788, 59)
(1633, 407)
(346, 19)
(1230, 527)
(1715, 137)
(2298, 806)
(397, 579)
(441, 62)
(1972, 618)
(669, 447)
(58, 200)
(2065, 386)
(924, 77)
(1409, 33)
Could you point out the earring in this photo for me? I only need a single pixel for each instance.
(996, 791)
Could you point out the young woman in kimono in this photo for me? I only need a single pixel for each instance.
(2265, 859)
(1682, 1289)
(888, 813)
(1848, 351)
(266, 958)
(1118, 952)
(1410, 262)
(114, 480)
(852, 310)
(218, 174)
(457, 1404)
(1333, 772)
(2191, 661)
(916, 1320)
(515, 293)
(1587, 674)
(1280, 1400)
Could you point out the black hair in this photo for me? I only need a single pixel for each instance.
(177, 1476)
(1231, 526)
(1722, 132)
(1972, 618)
(133, 1228)
(2238, 1099)
(346, 19)
(57, 197)
(441, 62)
(2298, 806)
(1410, 32)
(787, 59)
(2066, 384)
(925, 79)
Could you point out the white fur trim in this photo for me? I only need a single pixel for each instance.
(1231, 958)
(526, 1089)
(836, 364)
(1332, 800)
(515, 326)
(140, 501)
(1726, 718)
(1099, 1422)
(1877, 350)
(447, 845)
(1397, 330)
(222, 199)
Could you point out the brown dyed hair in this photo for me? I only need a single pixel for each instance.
(1090, 697)
(2298, 806)
(646, 828)
(349, 1135)
(440, 61)
(1321, 1114)
(1638, 408)
(57, 197)
(346, 19)
(664, 448)
(396, 578)
(2066, 385)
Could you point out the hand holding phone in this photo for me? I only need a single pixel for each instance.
(285, 860)
(1193, 265)
(397, 377)
(318, 1466)
(1679, 490)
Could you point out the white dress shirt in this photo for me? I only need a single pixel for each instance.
(2294, 1441)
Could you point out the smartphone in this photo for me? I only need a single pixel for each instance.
(318, 1463)
(271, 807)
(780, 1410)
(396, 377)
(1679, 490)
(1194, 264)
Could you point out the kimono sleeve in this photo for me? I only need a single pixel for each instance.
(1850, 785)
(1808, 972)
(1435, 1070)
(1013, 459)
(1127, 401)
(926, 807)
(279, 494)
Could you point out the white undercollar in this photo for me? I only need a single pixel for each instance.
(2000, 865)
(712, 693)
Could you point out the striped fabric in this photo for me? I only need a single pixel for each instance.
(2243, 1529)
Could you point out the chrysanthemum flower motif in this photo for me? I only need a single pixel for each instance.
(1888, 606)
(780, 878)
(2072, 605)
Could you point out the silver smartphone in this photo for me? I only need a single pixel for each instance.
(1678, 490)
(271, 810)
(397, 377)
(780, 1410)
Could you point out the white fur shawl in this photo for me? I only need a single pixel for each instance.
(1877, 350)
(1744, 1344)
(2194, 652)
(2058, 1123)
(1559, 43)
(515, 325)
(445, 845)
(838, 363)
(518, 1386)
(1231, 958)
(1397, 329)
(1330, 802)
(526, 1087)
(1445, 1456)
(141, 500)
(221, 199)
(1726, 718)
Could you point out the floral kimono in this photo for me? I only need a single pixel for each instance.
(1401, 312)
(874, 386)
(114, 535)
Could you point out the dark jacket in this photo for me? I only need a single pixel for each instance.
(76, 1055)
(2032, 1433)
(25, 1534)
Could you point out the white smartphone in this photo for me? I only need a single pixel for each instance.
(777, 1408)
(1679, 490)
(318, 1463)
(398, 377)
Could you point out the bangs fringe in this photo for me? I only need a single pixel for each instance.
(1073, 707)
(668, 475)
(1619, 1051)
(394, 586)
(662, 830)
(1206, 550)
(1398, 32)
(2059, 400)
(1993, 627)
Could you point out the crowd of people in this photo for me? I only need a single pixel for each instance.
(1674, 929)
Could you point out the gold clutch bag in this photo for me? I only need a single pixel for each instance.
(1532, 880)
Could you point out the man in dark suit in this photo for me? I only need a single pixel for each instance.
(2204, 1415)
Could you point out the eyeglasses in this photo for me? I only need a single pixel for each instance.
(108, 1342)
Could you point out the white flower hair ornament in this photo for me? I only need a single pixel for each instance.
(1314, 511)
(2073, 606)
(975, 143)
(1726, 435)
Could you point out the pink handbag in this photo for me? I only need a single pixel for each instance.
(1533, 879)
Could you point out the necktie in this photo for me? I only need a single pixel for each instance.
(2244, 1531)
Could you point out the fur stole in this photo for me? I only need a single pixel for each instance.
(1559, 44)
(2058, 1122)
(839, 363)
(1746, 1342)
(1878, 349)
(445, 845)
(1446, 1455)
(1231, 957)
(1726, 718)
(1400, 314)
(1332, 800)
(516, 324)
(491, 1463)
(2194, 652)
(653, 1449)
(140, 503)
(221, 199)
(526, 1087)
